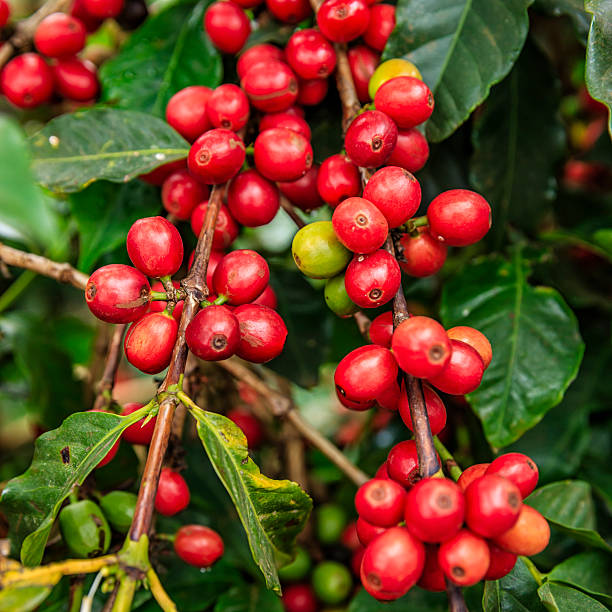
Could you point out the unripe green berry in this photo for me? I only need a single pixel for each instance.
(84, 529)
(298, 569)
(337, 298)
(389, 70)
(118, 507)
(331, 520)
(317, 252)
(331, 582)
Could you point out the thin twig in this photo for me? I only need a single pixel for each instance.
(161, 597)
(113, 359)
(288, 207)
(456, 603)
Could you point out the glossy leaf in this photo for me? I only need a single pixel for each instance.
(72, 151)
(574, 9)
(561, 598)
(536, 344)
(515, 592)
(461, 47)
(272, 512)
(416, 600)
(27, 595)
(169, 52)
(248, 597)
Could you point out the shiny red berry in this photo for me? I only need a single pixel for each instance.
(372, 280)
(103, 9)
(343, 20)
(76, 79)
(79, 11)
(158, 175)
(289, 11)
(285, 120)
(226, 228)
(216, 156)
(370, 139)
(228, 107)
(390, 397)
(172, 493)
(271, 86)
(303, 192)
(381, 329)
(432, 578)
(411, 151)
(5, 13)
(310, 54)
(380, 26)
(59, 35)
(362, 62)
(267, 298)
(338, 179)
(472, 473)
(137, 433)
(382, 472)
(186, 111)
(517, 468)
(528, 536)
(227, 26)
(249, 425)
(421, 255)
(241, 276)
(464, 558)
(476, 339)
(366, 532)
(403, 463)
(149, 342)
(299, 598)
(258, 54)
(380, 502)
(282, 154)
(181, 193)
(198, 545)
(252, 199)
(262, 333)
(312, 91)
(462, 373)
(110, 455)
(406, 99)
(213, 333)
(359, 225)
(501, 562)
(27, 81)
(436, 412)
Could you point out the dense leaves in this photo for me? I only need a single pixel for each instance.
(559, 597)
(248, 597)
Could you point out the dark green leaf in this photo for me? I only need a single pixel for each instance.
(72, 151)
(536, 344)
(23, 598)
(561, 598)
(169, 52)
(247, 598)
(461, 47)
(574, 9)
(272, 512)
(416, 600)
(515, 592)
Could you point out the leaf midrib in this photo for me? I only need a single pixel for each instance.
(112, 155)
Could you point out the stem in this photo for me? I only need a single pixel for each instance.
(415, 222)
(17, 287)
(456, 603)
(288, 207)
(76, 593)
(125, 594)
(161, 597)
(450, 464)
(113, 358)
(533, 570)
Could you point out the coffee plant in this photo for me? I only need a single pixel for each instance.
(305, 305)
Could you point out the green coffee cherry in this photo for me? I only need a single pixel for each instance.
(84, 529)
(389, 70)
(331, 582)
(317, 251)
(331, 520)
(298, 568)
(118, 507)
(337, 298)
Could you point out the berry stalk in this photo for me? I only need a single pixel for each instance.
(113, 358)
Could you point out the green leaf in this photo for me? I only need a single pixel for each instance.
(461, 47)
(416, 600)
(23, 598)
(561, 598)
(568, 505)
(518, 184)
(574, 9)
(63, 458)
(272, 512)
(599, 55)
(72, 151)
(169, 52)
(536, 344)
(248, 597)
(104, 212)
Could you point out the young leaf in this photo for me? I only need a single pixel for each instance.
(272, 512)
(559, 598)
(461, 47)
(72, 151)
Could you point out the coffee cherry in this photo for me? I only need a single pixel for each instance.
(248, 424)
(501, 563)
(380, 26)
(459, 217)
(380, 502)
(267, 298)
(138, 433)
(289, 11)
(472, 473)
(133, 15)
(262, 333)
(103, 9)
(464, 558)
(317, 252)
(382, 472)
(252, 199)
(349, 538)
(421, 347)
(155, 247)
(149, 342)
(110, 287)
(27, 81)
(358, 406)
(370, 138)
(110, 455)
(359, 225)
(198, 545)
(5, 13)
(248, 4)
(216, 156)
(303, 193)
(462, 373)
(271, 87)
(372, 280)
(338, 179)
(407, 100)
(258, 54)
(285, 120)
(392, 564)
(365, 372)
(181, 193)
(241, 276)
(389, 398)
(477, 340)
(395, 192)
(529, 535)
(411, 151)
(434, 509)
(432, 578)
(421, 255)
(227, 26)
(226, 228)
(381, 329)
(299, 598)
(311, 91)
(172, 493)
(186, 111)
(362, 61)
(337, 298)
(228, 107)
(59, 35)
(517, 468)
(310, 54)
(282, 155)
(436, 412)
(331, 582)
(79, 11)
(343, 20)
(389, 70)
(366, 532)
(297, 569)
(76, 79)
(213, 334)
(403, 463)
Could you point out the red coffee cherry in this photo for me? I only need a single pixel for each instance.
(356, 559)
(155, 247)
(359, 406)
(216, 156)
(372, 280)
(258, 54)
(282, 154)
(158, 175)
(110, 287)
(181, 193)
(434, 509)
(390, 397)
(186, 111)
(476, 339)
(303, 193)
(380, 26)
(382, 473)
(501, 563)
(381, 329)
(472, 473)
(311, 91)
(407, 100)
(285, 120)
(213, 334)
(371, 137)
(228, 107)
(267, 298)
(359, 225)
(299, 598)
(421, 255)
(517, 468)
(366, 532)
(362, 61)
(462, 373)
(529, 535)
(262, 333)
(59, 35)
(411, 151)
(343, 20)
(227, 26)
(395, 192)
(365, 373)
(138, 433)
(27, 81)
(149, 342)
(247, 4)
(271, 87)
(5, 13)
(289, 11)
(226, 228)
(103, 9)
(110, 455)
(241, 276)
(310, 54)
(380, 502)
(432, 578)
(421, 347)
(249, 425)
(198, 545)
(172, 493)
(338, 179)
(464, 558)
(79, 11)
(392, 564)
(403, 463)
(459, 217)
(76, 79)
(252, 199)
(436, 412)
